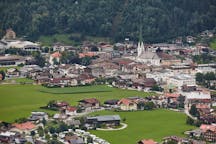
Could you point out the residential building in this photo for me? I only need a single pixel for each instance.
(127, 104)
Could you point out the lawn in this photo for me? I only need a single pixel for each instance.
(213, 44)
(18, 101)
(18, 80)
(145, 125)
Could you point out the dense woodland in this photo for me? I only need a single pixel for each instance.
(160, 19)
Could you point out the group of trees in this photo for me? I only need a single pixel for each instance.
(205, 79)
(160, 19)
(204, 58)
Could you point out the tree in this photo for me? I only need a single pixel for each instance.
(156, 88)
(32, 133)
(193, 111)
(149, 106)
(39, 59)
(3, 74)
(189, 121)
(52, 130)
(89, 139)
(40, 131)
(199, 77)
(44, 121)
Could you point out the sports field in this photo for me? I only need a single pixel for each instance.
(18, 101)
(155, 124)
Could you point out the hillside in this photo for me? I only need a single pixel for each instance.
(160, 19)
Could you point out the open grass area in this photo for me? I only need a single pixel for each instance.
(213, 44)
(154, 124)
(5, 68)
(18, 101)
(18, 80)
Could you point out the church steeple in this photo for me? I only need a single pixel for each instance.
(140, 48)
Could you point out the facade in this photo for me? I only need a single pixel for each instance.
(55, 57)
(11, 60)
(110, 120)
(127, 104)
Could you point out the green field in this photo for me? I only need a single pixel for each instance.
(19, 100)
(145, 125)
(18, 80)
(213, 44)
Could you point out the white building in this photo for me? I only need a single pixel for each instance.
(181, 79)
(205, 69)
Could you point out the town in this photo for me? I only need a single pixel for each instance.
(179, 76)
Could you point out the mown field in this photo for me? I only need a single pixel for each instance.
(155, 124)
(18, 101)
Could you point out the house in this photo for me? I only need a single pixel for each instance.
(87, 54)
(10, 34)
(12, 72)
(7, 137)
(146, 141)
(73, 122)
(208, 132)
(26, 127)
(109, 120)
(85, 79)
(70, 110)
(60, 116)
(73, 139)
(55, 57)
(127, 104)
(35, 116)
(89, 104)
(12, 60)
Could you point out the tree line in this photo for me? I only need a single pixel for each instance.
(160, 19)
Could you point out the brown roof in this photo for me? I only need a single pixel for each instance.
(90, 100)
(24, 126)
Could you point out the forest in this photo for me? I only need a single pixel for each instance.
(160, 19)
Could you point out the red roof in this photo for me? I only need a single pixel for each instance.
(126, 101)
(172, 95)
(91, 100)
(147, 141)
(56, 54)
(25, 126)
(87, 54)
(205, 127)
(71, 108)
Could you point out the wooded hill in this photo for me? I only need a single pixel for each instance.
(160, 19)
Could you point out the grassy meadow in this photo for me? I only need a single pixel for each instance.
(18, 101)
(155, 124)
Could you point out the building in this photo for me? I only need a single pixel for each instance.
(208, 132)
(127, 104)
(10, 34)
(55, 57)
(146, 141)
(70, 110)
(26, 127)
(89, 104)
(180, 80)
(108, 120)
(12, 60)
(35, 116)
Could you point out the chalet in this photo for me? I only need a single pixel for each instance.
(147, 141)
(109, 120)
(55, 57)
(89, 104)
(85, 79)
(26, 127)
(62, 104)
(63, 82)
(70, 110)
(127, 104)
(208, 132)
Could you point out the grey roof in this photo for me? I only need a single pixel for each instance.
(106, 118)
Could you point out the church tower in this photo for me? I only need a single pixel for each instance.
(140, 47)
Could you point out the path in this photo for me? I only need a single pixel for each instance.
(111, 129)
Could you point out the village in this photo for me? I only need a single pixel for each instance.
(177, 73)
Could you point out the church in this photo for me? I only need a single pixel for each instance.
(144, 55)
